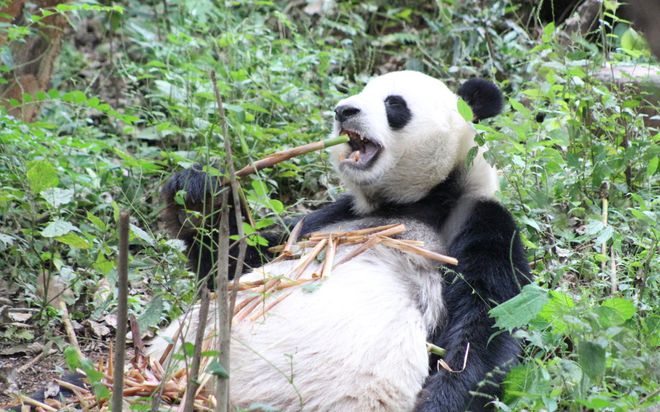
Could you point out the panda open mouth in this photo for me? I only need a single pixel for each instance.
(364, 151)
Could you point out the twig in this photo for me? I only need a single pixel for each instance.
(73, 388)
(604, 189)
(122, 313)
(191, 387)
(398, 244)
(36, 403)
(137, 337)
(293, 238)
(222, 280)
(235, 192)
(359, 250)
(306, 260)
(47, 351)
(330, 251)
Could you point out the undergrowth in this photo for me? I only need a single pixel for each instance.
(568, 143)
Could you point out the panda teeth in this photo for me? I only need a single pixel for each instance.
(355, 156)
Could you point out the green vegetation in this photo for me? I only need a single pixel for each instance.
(131, 102)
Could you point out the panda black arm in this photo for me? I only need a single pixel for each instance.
(492, 269)
(203, 194)
(196, 221)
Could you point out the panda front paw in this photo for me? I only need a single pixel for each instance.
(190, 190)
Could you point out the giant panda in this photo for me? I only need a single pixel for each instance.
(359, 341)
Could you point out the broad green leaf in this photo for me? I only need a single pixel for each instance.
(652, 166)
(151, 315)
(465, 110)
(41, 175)
(96, 221)
(57, 197)
(615, 311)
(591, 357)
(74, 241)
(633, 43)
(215, 368)
(58, 227)
(519, 310)
(142, 234)
(553, 312)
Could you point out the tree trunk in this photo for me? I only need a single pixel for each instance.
(33, 57)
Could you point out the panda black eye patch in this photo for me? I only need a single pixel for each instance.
(398, 113)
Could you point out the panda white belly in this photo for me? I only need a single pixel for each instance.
(355, 342)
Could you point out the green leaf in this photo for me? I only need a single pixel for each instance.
(96, 221)
(74, 241)
(615, 311)
(141, 234)
(548, 30)
(652, 166)
(215, 368)
(633, 43)
(41, 175)
(519, 310)
(58, 227)
(57, 197)
(151, 315)
(72, 358)
(465, 110)
(553, 312)
(591, 357)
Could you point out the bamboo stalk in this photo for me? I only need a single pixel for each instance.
(307, 259)
(403, 246)
(191, 387)
(271, 305)
(222, 278)
(358, 232)
(122, 313)
(330, 251)
(278, 157)
(68, 327)
(30, 401)
(293, 237)
(359, 250)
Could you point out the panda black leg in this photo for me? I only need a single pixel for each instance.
(492, 269)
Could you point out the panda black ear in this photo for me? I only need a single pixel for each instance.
(483, 96)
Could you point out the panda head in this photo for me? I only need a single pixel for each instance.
(406, 135)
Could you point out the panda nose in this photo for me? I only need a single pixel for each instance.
(344, 112)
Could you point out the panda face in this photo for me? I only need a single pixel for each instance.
(406, 136)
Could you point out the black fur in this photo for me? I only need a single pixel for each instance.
(398, 113)
(344, 112)
(483, 96)
(492, 269)
(203, 195)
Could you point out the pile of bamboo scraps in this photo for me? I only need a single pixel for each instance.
(256, 298)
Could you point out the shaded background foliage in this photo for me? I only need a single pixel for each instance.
(130, 102)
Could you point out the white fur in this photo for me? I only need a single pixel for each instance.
(420, 155)
(357, 343)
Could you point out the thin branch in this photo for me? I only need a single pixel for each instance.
(222, 281)
(235, 192)
(193, 383)
(122, 313)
